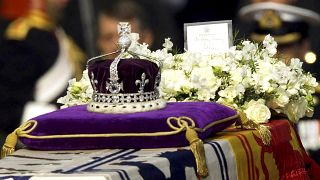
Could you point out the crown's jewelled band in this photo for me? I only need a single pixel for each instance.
(125, 98)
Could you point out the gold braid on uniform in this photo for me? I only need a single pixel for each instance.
(18, 29)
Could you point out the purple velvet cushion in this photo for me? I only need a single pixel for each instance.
(77, 120)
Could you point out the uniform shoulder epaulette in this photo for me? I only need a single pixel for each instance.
(18, 29)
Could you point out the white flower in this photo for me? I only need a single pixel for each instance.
(296, 109)
(233, 53)
(270, 44)
(240, 73)
(161, 56)
(190, 60)
(173, 81)
(203, 77)
(310, 81)
(231, 92)
(167, 44)
(248, 50)
(134, 37)
(295, 63)
(79, 92)
(224, 64)
(294, 85)
(64, 100)
(265, 74)
(206, 94)
(205, 82)
(168, 62)
(258, 111)
(280, 101)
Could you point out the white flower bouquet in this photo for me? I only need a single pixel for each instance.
(78, 92)
(248, 77)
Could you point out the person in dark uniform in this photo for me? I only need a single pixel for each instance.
(289, 25)
(37, 60)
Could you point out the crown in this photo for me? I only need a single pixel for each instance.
(124, 85)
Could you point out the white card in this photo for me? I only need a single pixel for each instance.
(208, 37)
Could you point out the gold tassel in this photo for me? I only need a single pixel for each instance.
(197, 148)
(263, 130)
(265, 134)
(12, 139)
(9, 145)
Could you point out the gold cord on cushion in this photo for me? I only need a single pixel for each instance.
(181, 124)
(30, 125)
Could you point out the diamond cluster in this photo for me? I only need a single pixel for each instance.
(124, 98)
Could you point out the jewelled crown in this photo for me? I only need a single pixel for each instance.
(124, 85)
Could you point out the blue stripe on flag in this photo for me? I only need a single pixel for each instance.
(99, 159)
(224, 159)
(219, 158)
(113, 158)
(123, 172)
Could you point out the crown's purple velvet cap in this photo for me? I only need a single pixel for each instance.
(129, 70)
(77, 120)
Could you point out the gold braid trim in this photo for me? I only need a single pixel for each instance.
(32, 123)
(19, 29)
(217, 122)
(181, 124)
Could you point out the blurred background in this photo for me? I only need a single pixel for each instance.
(164, 18)
(45, 35)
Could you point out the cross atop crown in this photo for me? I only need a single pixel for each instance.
(124, 28)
